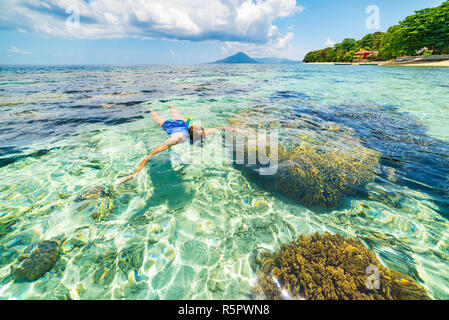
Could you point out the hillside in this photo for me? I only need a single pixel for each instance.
(239, 57)
(423, 33)
(242, 57)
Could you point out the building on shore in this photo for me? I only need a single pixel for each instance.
(363, 55)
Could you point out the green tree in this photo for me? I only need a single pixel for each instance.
(427, 28)
(392, 43)
(349, 56)
(366, 42)
(377, 40)
(373, 57)
(347, 45)
(332, 56)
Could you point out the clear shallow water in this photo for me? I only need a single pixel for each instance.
(190, 232)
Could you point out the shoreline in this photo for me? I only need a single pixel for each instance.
(443, 63)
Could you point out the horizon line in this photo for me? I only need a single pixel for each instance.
(142, 64)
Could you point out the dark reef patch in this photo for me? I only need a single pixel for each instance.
(289, 95)
(417, 159)
(4, 161)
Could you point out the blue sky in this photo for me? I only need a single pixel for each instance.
(182, 31)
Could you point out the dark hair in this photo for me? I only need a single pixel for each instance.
(191, 128)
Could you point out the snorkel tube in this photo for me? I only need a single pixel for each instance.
(187, 122)
(187, 129)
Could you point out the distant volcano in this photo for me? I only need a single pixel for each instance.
(242, 57)
(239, 57)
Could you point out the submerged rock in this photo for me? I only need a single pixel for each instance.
(95, 193)
(330, 267)
(131, 258)
(36, 260)
(105, 267)
(98, 200)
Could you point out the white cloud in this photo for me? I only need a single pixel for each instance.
(248, 21)
(15, 50)
(301, 8)
(329, 43)
(277, 47)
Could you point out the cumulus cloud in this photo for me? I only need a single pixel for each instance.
(247, 21)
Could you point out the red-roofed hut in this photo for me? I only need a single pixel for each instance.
(363, 54)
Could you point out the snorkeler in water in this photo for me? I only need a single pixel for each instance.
(179, 131)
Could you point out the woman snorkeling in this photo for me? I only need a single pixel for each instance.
(179, 131)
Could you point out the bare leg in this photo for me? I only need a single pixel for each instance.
(157, 118)
(176, 114)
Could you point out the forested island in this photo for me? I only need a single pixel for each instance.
(424, 33)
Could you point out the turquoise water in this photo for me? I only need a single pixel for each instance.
(191, 231)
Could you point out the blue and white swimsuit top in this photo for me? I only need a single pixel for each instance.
(175, 126)
(179, 126)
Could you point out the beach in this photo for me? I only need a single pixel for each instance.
(321, 63)
(444, 63)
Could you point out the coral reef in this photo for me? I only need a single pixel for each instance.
(318, 177)
(36, 260)
(318, 163)
(329, 267)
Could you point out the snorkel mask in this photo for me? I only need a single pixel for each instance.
(200, 142)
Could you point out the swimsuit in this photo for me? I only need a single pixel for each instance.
(175, 126)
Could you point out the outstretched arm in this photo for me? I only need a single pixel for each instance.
(166, 145)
